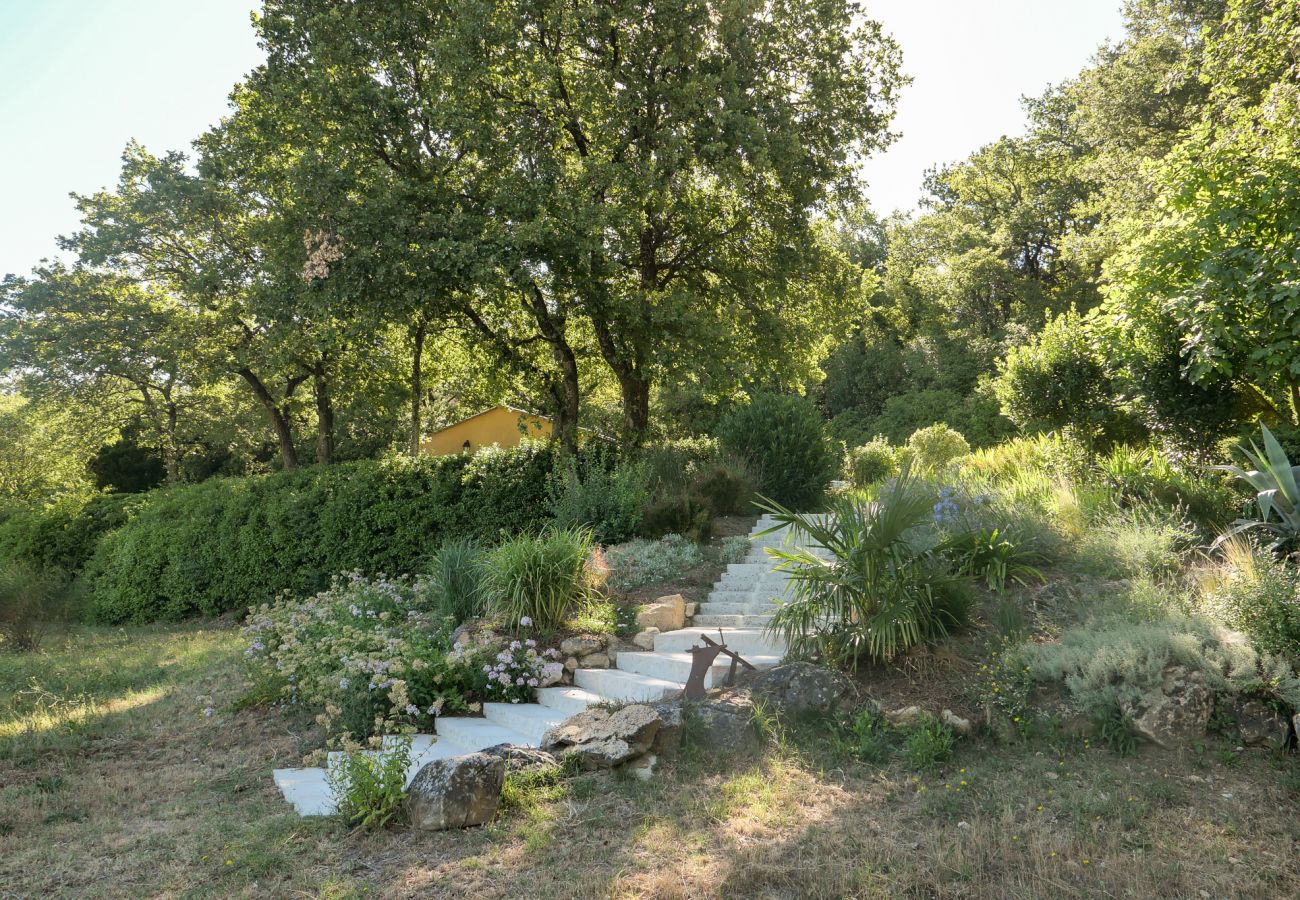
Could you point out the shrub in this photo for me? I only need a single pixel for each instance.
(889, 587)
(1277, 486)
(1146, 475)
(933, 449)
(369, 786)
(928, 743)
(1259, 595)
(228, 543)
(640, 562)
(63, 537)
(607, 497)
(681, 515)
(674, 465)
(454, 575)
(783, 441)
(870, 463)
(734, 549)
(366, 654)
(28, 601)
(989, 555)
(725, 488)
(541, 579)
(1143, 541)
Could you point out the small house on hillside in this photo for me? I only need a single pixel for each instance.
(502, 425)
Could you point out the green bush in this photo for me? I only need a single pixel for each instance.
(1142, 541)
(1260, 595)
(933, 449)
(29, 602)
(63, 537)
(725, 488)
(1146, 475)
(783, 441)
(540, 579)
(682, 514)
(370, 785)
(454, 574)
(640, 562)
(871, 463)
(606, 496)
(228, 544)
(734, 549)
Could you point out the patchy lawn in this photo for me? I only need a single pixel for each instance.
(114, 782)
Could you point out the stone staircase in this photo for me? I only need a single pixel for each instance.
(740, 606)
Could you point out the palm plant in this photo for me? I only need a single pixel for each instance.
(885, 586)
(1277, 494)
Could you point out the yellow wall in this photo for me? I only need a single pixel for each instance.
(498, 425)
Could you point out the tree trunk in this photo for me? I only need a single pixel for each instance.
(567, 395)
(324, 416)
(279, 422)
(417, 386)
(633, 384)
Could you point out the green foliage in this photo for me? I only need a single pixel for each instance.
(453, 577)
(1277, 496)
(989, 555)
(886, 587)
(783, 441)
(63, 537)
(225, 544)
(29, 605)
(541, 578)
(725, 488)
(1259, 595)
(642, 562)
(974, 415)
(734, 549)
(928, 743)
(870, 463)
(369, 786)
(608, 497)
(1139, 475)
(934, 449)
(368, 656)
(681, 514)
(1142, 541)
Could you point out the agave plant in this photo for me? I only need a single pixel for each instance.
(884, 588)
(1277, 494)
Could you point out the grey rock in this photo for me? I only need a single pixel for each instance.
(723, 724)
(457, 792)
(645, 639)
(582, 645)
(594, 661)
(801, 689)
(603, 739)
(522, 759)
(904, 716)
(1258, 723)
(955, 722)
(1178, 713)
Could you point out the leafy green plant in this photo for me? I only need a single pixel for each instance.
(1114, 729)
(783, 441)
(871, 463)
(1277, 494)
(884, 587)
(928, 743)
(28, 605)
(606, 496)
(369, 786)
(454, 575)
(734, 549)
(542, 578)
(987, 554)
(1260, 596)
(725, 488)
(933, 449)
(641, 562)
(681, 514)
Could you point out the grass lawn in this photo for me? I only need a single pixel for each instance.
(114, 782)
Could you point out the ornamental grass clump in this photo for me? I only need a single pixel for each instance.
(365, 656)
(543, 578)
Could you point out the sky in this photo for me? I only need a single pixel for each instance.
(80, 78)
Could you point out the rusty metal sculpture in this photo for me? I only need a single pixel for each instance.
(702, 659)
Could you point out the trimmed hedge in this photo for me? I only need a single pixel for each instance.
(63, 537)
(230, 543)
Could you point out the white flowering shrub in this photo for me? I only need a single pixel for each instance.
(367, 658)
(519, 669)
(641, 562)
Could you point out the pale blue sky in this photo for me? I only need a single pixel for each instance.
(79, 78)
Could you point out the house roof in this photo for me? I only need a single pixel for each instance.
(513, 409)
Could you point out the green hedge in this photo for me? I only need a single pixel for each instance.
(230, 543)
(63, 537)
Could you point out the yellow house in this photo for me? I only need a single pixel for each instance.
(502, 425)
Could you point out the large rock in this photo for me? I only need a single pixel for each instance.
(582, 645)
(723, 724)
(801, 689)
(456, 792)
(603, 738)
(645, 639)
(1259, 724)
(667, 613)
(1176, 714)
(522, 759)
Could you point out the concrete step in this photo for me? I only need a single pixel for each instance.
(623, 686)
(742, 640)
(732, 620)
(529, 719)
(677, 666)
(568, 701)
(468, 734)
(753, 606)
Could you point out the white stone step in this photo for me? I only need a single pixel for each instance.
(752, 607)
(613, 684)
(567, 701)
(677, 666)
(728, 620)
(730, 597)
(307, 790)
(470, 734)
(529, 719)
(742, 640)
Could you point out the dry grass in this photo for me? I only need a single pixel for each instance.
(114, 783)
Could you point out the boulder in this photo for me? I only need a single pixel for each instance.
(582, 645)
(1179, 712)
(456, 792)
(801, 689)
(522, 759)
(602, 738)
(719, 723)
(571, 664)
(667, 613)
(1259, 724)
(645, 639)
(691, 610)
(594, 661)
